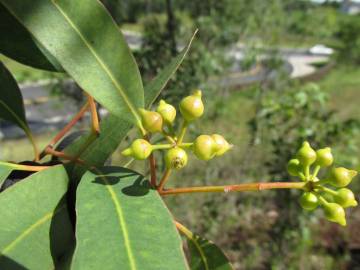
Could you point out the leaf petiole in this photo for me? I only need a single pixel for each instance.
(20, 167)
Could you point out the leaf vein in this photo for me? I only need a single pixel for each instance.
(29, 230)
(100, 61)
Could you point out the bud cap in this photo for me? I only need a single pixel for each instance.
(324, 158)
(306, 155)
(167, 111)
(309, 201)
(192, 107)
(139, 149)
(204, 147)
(152, 121)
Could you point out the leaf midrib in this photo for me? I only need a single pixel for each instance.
(28, 230)
(20, 121)
(121, 220)
(99, 60)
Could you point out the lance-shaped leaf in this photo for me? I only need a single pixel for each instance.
(88, 44)
(11, 103)
(4, 172)
(154, 88)
(35, 229)
(18, 44)
(205, 255)
(122, 224)
(113, 130)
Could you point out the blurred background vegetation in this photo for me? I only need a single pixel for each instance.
(266, 119)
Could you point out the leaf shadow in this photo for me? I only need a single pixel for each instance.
(62, 239)
(138, 187)
(8, 263)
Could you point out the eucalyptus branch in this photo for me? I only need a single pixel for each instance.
(235, 188)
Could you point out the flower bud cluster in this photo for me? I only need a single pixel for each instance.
(333, 201)
(205, 147)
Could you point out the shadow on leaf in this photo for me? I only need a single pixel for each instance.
(7, 263)
(113, 175)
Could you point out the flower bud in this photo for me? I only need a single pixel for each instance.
(176, 158)
(167, 111)
(152, 121)
(294, 167)
(341, 177)
(192, 107)
(309, 201)
(204, 147)
(324, 158)
(335, 213)
(306, 155)
(221, 145)
(139, 149)
(345, 197)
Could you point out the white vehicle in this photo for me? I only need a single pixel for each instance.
(321, 49)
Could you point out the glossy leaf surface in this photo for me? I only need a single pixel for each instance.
(92, 51)
(205, 255)
(122, 224)
(113, 129)
(35, 227)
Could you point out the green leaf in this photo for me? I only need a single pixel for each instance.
(112, 132)
(4, 173)
(18, 44)
(35, 229)
(88, 44)
(153, 89)
(113, 129)
(205, 255)
(11, 101)
(122, 224)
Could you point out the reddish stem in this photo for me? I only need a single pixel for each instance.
(239, 187)
(66, 129)
(164, 180)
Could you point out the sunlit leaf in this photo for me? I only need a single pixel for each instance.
(122, 224)
(35, 228)
(113, 130)
(92, 51)
(154, 88)
(4, 173)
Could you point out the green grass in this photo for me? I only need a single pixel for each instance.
(343, 85)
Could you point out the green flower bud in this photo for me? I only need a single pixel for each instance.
(345, 197)
(139, 149)
(221, 145)
(176, 158)
(341, 177)
(335, 213)
(192, 107)
(152, 121)
(204, 147)
(294, 167)
(167, 111)
(306, 155)
(309, 201)
(324, 158)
